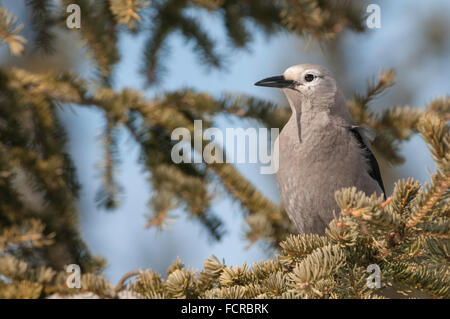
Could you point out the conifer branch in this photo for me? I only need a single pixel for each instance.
(9, 30)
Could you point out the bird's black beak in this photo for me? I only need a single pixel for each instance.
(276, 82)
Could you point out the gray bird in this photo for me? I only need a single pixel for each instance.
(321, 149)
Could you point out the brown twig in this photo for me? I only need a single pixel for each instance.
(125, 277)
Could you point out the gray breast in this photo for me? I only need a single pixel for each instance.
(326, 159)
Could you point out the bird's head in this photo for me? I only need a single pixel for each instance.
(305, 82)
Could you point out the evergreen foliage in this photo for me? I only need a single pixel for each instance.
(406, 235)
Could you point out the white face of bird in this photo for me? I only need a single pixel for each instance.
(310, 80)
(304, 83)
(307, 79)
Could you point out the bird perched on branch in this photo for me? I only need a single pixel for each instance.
(321, 149)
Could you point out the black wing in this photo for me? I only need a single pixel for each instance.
(374, 169)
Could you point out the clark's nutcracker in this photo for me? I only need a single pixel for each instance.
(321, 149)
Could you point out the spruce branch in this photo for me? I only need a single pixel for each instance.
(436, 134)
(43, 20)
(9, 32)
(99, 33)
(127, 11)
(107, 196)
(306, 273)
(294, 249)
(435, 282)
(321, 19)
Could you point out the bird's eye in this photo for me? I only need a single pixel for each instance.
(309, 77)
